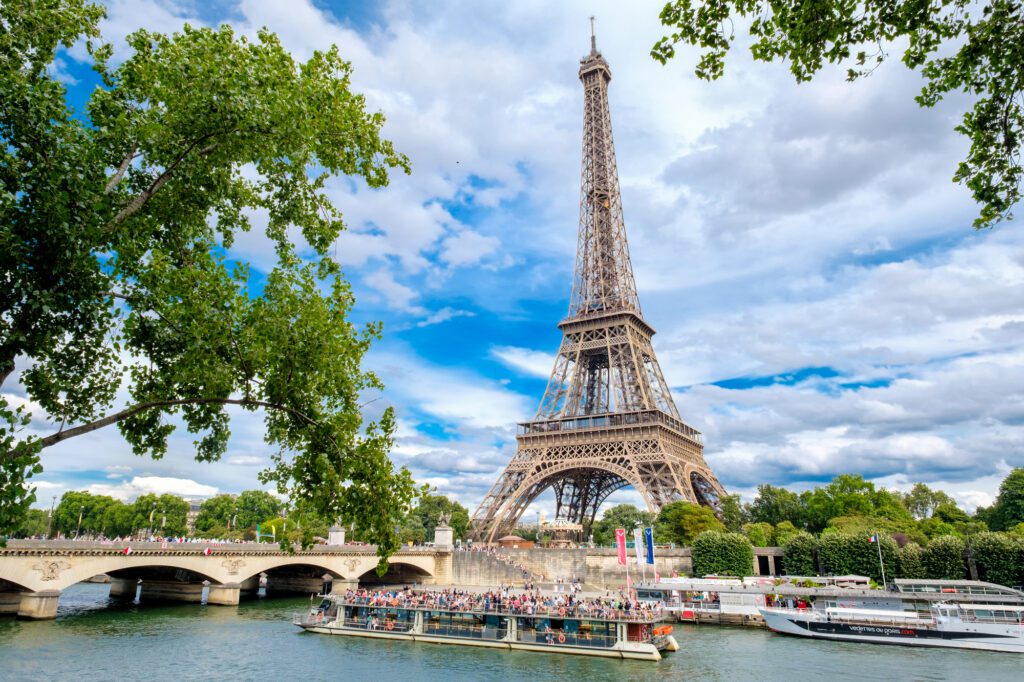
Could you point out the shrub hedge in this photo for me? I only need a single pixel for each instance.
(999, 558)
(799, 554)
(943, 558)
(720, 553)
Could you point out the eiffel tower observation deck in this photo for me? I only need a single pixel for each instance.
(607, 419)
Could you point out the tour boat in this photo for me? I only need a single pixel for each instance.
(992, 627)
(552, 630)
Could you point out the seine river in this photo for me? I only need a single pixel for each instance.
(95, 640)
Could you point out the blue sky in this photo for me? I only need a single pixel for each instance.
(822, 302)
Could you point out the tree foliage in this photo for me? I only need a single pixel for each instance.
(960, 46)
(720, 553)
(114, 226)
(620, 516)
(429, 510)
(943, 558)
(799, 554)
(909, 562)
(775, 505)
(1008, 509)
(681, 522)
(759, 534)
(922, 501)
(999, 557)
(843, 554)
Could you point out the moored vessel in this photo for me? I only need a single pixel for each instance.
(991, 627)
(588, 629)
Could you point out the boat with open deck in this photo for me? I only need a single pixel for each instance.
(581, 628)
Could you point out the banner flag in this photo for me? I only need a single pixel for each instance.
(649, 536)
(620, 545)
(638, 545)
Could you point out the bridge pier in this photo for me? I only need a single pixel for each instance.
(294, 584)
(249, 588)
(10, 602)
(39, 605)
(224, 595)
(123, 588)
(171, 590)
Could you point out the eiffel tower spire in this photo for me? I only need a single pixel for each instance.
(607, 419)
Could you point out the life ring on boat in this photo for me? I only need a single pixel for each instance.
(390, 625)
(561, 611)
(561, 638)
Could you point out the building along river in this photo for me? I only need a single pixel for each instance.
(96, 639)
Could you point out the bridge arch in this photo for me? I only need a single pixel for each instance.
(399, 572)
(533, 485)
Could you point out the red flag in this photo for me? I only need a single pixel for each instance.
(620, 545)
(127, 551)
(207, 551)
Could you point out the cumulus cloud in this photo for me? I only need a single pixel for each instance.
(159, 485)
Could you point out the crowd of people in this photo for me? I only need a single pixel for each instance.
(507, 600)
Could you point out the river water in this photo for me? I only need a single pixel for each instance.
(95, 639)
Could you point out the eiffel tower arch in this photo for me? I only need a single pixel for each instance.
(607, 419)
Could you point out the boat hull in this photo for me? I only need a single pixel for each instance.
(623, 650)
(984, 638)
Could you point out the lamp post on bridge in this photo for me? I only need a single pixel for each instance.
(79, 526)
(49, 528)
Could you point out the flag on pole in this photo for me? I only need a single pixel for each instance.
(207, 551)
(649, 536)
(873, 538)
(638, 546)
(127, 551)
(620, 545)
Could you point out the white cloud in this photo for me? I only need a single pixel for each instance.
(532, 363)
(159, 485)
(467, 247)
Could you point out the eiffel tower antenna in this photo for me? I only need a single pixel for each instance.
(607, 419)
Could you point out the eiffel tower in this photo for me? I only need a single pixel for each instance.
(607, 419)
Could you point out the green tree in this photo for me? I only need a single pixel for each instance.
(733, 514)
(217, 511)
(845, 495)
(36, 524)
(922, 501)
(720, 553)
(255, 506)
(999, 557)
(83, 513)
(759, 534)
(959, 46)
(1008, 509)
(943, 558)
(620, 516)
(114, 226)
(775, 505)
(161, 514)
(799, 555)
(909, 562)
(843, 554)
(681, 522)
(429, 510)
(783, 532)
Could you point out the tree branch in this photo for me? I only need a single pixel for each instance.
(121, 170)
(60, 436)
(147, 194)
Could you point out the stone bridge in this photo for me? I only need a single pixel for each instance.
(33, 573)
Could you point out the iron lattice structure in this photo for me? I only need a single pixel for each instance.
(607, 419)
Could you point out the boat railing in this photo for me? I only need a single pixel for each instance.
(580, 639)
(371, 623)
(577, 612)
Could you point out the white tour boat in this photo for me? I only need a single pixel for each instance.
(992, 627)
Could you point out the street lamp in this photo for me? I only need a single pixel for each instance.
(79, 527)
(49, 528)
